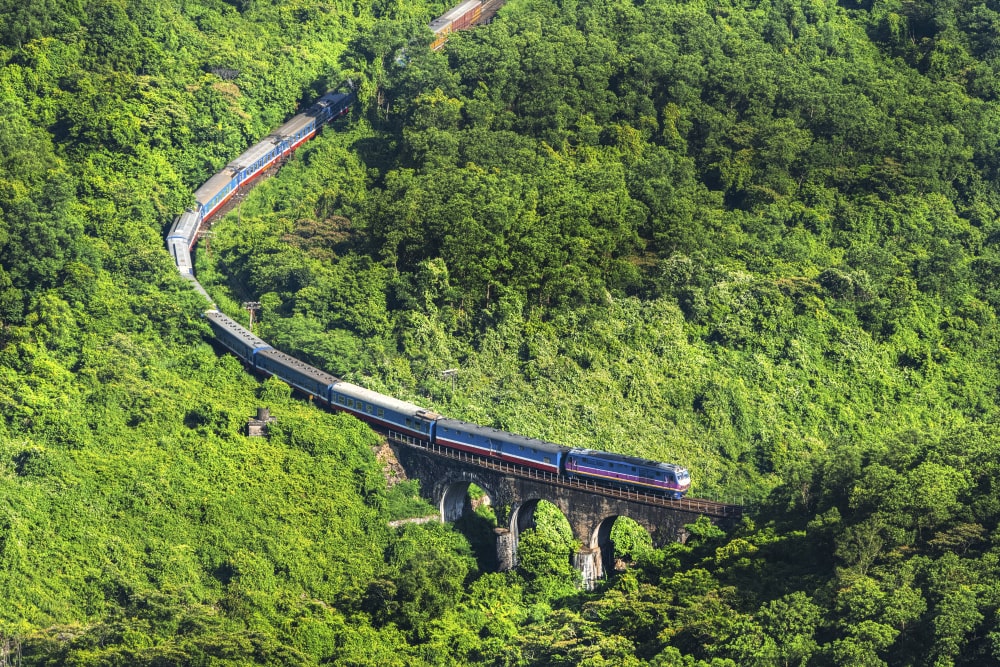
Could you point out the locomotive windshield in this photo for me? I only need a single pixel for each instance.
(683, 477)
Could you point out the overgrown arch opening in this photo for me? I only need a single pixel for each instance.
(621, 541)
(469, 507)
(538, 513)
(462, 497)
(538, 530)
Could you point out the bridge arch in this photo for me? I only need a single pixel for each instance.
(452, 497)
(522, 518)
(600, 538)
(522, 513)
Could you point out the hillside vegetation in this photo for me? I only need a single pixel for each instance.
(733, 237)
(756, 239)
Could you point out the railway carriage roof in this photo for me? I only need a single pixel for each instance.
(628, 460)
(295, 124)
(255, 152)
(235, 328)
(330, 99)
(449, 17)
(461, 10)
(185, 225)
(381, 400)
(502, 436)
(213, 185)
(300, 366)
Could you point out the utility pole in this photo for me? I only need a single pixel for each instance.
(207, 235)
(251, 307)
(453, 374)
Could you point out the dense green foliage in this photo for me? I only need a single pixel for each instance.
(754, 238)
(757, 239)
(721, 235)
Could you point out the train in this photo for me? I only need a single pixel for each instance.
(241, 172)
(411, 423)
(400, 420)
(460, 17)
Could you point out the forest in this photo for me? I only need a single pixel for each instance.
(755, 238)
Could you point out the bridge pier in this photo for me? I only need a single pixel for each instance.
(590, 563)
(506, 549)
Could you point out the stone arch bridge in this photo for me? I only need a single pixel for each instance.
(514, 493)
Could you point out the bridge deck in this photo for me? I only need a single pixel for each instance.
(695, 505)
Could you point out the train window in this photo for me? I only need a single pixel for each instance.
(350, 402)
(381, 412)
(341, 399)
(546, 460)
(408, 422)
(369, 408)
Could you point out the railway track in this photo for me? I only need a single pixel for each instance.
(490, 8)
(226, 189)
(710, 508)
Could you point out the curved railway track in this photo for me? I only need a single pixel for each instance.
(223, 191)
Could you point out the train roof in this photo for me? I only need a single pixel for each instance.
(289, 361)
(254, 153)
(212, 186)
(331, 97)
(182, 255)
(185, 226)
(201, 290)
(631, 460)
(446, 19)
(294, 124)
(440, 23)
(381, 400)
(235, 328)
(503, 436)
(328, 99)
(461, 10)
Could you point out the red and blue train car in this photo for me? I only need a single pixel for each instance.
(490, 442)
(384, 411)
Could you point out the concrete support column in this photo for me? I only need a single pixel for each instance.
(506, 549)
(588, 561)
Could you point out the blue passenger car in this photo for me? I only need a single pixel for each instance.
(400, 417)
(298, 374)
(490, 442)
(235, 337)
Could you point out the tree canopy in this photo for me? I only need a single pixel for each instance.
(755, 239)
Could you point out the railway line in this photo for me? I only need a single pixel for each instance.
(614, 475)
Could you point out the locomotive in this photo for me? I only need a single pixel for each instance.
(400, 419)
